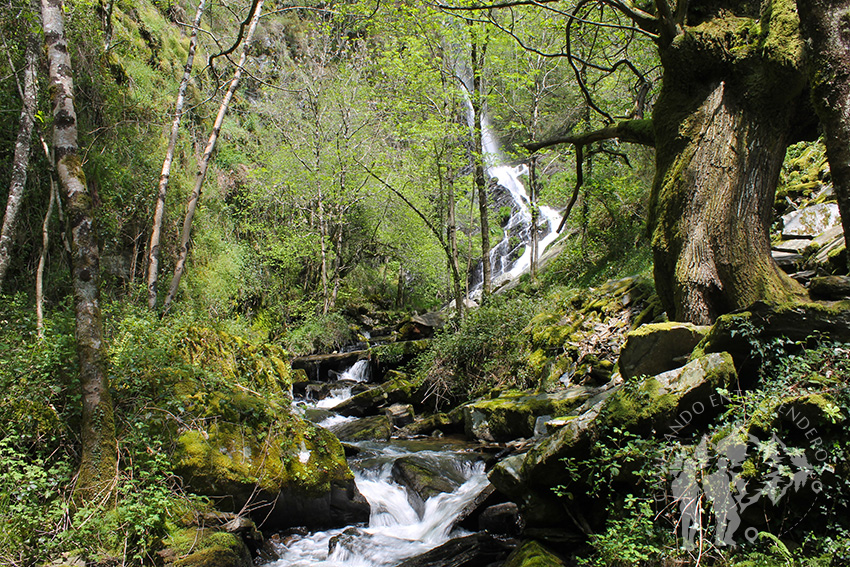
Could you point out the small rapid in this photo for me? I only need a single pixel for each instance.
(398, 528)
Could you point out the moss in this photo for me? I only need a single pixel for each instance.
(200, 547)
(533, 554)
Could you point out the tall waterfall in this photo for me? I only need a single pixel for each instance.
(505, 260)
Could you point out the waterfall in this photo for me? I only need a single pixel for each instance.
(504, 264)
(359, 372)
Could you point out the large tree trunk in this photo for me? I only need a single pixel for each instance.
(159, 212)
(824, 24)
(200, 176)
(722, 123)
(96, 480)
(20, 161)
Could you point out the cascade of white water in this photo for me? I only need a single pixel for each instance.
(359, 372)
(503, 267)
(395, 530)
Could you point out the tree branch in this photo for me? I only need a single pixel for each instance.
(632, 131)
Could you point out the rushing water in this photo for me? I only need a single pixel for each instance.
(396, 530)
(505, 264)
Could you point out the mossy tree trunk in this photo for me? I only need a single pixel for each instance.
(96, 480)
(725, 115)
(826, 26)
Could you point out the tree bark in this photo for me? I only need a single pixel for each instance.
(42, 260)
(97, 474)
(156, 230)
(477, 100)
(204, 164)
(20, 161)
(825, 26)
(722, 123)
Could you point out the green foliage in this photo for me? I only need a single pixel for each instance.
(318, 333)
(631, 538)
(483, 353)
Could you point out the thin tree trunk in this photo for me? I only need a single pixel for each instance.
(453, 257)
(534, 215)
(97, 474)
(204, 164)
(20, 161)
(156, 231)
(42, 260)
(478, 56)
(323, 236)
(824, 25)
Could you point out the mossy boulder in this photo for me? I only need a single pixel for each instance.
(654, 403)
(514, 415)
(425, 478)
(203, 547)
(654, 348)
(398, 389)
(372, 428)
(443, 423)
(294, 472)
(533, 554)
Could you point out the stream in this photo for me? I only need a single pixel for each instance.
(399, 526)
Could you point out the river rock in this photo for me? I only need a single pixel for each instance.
(398, 389)
(400, 414)
(501, 519)
(204, 547)
(424, 478)
(514, 415)
(476, 550)
(658, 347)
(532, 554)
(324, 367)
(441, 423)
(295, 474)
(373, 428)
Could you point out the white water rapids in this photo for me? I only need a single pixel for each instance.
(396, 531)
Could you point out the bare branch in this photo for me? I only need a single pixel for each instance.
(632, 131)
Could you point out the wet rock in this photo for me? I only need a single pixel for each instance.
(532, 554)
(658, 347)
(439, 422)
(400, 414)
(398, 389)
(468, 517)
(514, 415)
(374, 428)
(476, 550)
(294, 475)
(324, 367)
(424, 478)
(501, 519)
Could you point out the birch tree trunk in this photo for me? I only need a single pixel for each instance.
(42, 260)
(156, 231)
(20, 161)
(824, 25)
(204, 164)
(97, 474)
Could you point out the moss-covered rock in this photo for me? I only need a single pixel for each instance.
(658, 347)
(372, 428)
(514, 415)
(655, 402)
(399, 388)
(202, 547)
(532, 554)
(292, 461)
